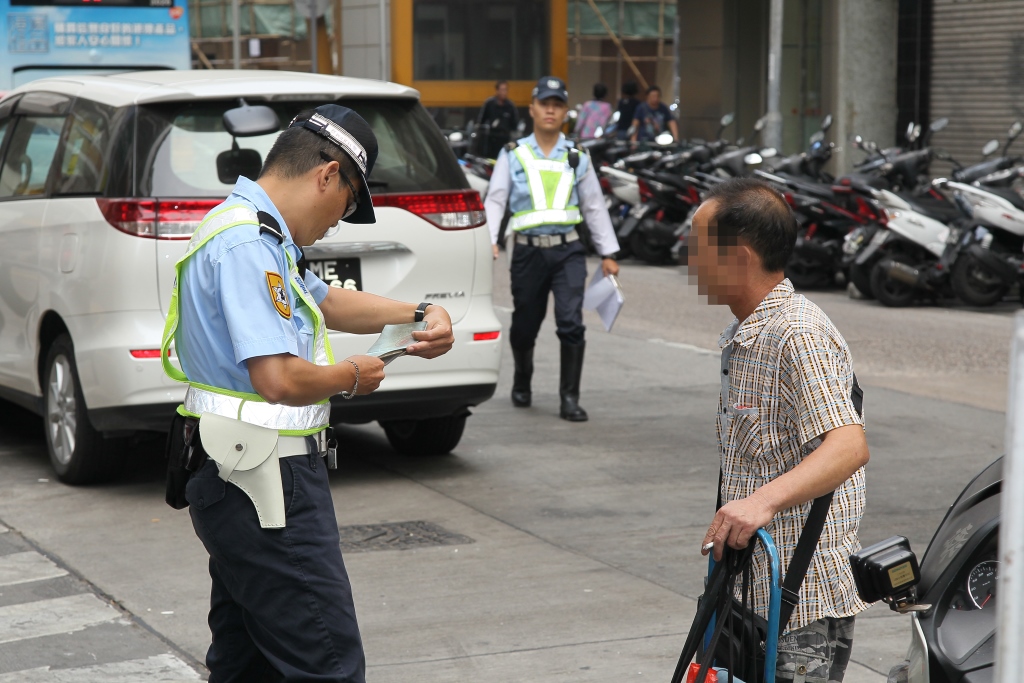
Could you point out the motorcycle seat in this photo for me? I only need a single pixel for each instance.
(941, 210)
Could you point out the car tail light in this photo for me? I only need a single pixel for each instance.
(148, 353)
(165, 219)
(486, 336)
(455, 210)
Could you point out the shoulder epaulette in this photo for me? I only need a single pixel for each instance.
(270, 226)
(511, 147)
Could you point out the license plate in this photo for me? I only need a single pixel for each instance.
(344, 273)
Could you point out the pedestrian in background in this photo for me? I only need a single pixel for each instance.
(500, 115)
(549, 186)
(594, 114)
(627, 109)
(653, 117)
(788, 428)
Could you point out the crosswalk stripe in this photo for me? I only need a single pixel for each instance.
(161, 668)
(27, 567)
(52, 617)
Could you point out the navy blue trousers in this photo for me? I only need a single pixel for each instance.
(535, 273)
(281, 606)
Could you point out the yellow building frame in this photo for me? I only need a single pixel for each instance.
(470, 93)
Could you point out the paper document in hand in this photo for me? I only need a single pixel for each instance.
(605, 296)
(394, 340)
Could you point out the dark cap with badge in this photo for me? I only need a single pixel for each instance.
(353, 136)
(551, 86)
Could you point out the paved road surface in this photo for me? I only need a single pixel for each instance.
(572, 553)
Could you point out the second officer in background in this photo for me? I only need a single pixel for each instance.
(550, 187)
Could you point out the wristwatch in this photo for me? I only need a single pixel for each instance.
(421, 310)
(611, 257)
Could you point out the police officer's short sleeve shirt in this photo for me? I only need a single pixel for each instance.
(238, 301)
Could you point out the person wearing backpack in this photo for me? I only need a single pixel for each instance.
(788, 425)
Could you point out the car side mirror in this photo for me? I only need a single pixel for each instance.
(246, 121)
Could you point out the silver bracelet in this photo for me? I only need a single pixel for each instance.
(355, 387)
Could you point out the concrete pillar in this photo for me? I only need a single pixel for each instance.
(860, 73)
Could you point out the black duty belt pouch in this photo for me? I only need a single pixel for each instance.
(740, 633)
(185, 455)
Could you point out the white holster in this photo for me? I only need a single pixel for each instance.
(247, 456)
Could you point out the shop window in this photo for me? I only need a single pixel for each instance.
(480, 39)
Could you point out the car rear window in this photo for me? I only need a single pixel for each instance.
(179, 144)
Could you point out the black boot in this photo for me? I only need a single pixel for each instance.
(569, 388)
(521, 395)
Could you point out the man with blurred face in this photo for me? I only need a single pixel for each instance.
(500, 115)
(652, 118)
(788, 427)
(550, 187)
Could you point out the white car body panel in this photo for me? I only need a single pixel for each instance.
(111, 290)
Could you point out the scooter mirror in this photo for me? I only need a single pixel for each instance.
(664, 139)
(990, 147)
(826, 123)
(727, 119)
(938, 124)
(871, 146)
(753, 159)
(817, 137)
(759, 125)
(769, 152)
(616, 116)
(1015, 129)
(599, 132)
(858, 141)
(910, 132)
(455, 136)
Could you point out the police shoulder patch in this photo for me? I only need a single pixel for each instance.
(279, 294)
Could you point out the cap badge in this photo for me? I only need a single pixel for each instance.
(553, 84)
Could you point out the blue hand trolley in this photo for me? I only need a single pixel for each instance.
(771, 646)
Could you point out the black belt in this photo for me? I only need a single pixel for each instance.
(545, 241)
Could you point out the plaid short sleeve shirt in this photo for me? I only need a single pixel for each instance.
(786, 378)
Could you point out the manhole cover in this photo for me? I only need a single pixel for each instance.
(397, 536)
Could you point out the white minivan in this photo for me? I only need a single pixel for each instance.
(104, 178)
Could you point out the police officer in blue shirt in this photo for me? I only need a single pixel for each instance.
(550, 187)
(249, 325)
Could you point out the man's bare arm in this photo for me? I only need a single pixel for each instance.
(293, 381)
(843, 451)
(364, 313)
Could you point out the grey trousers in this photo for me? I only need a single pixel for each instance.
(816, 653)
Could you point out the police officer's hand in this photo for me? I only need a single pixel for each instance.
(737, 522)
(438, 338)
(371, 373)
(609, 266)
(494, 250)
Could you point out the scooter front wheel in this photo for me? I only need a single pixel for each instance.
(975, 284)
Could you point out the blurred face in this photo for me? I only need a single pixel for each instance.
(501, 92)
(548, 114)
(720, 271)
(653, 99)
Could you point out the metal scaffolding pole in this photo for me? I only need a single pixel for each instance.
(236, 35)
(1010, 592)
(773, 120)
